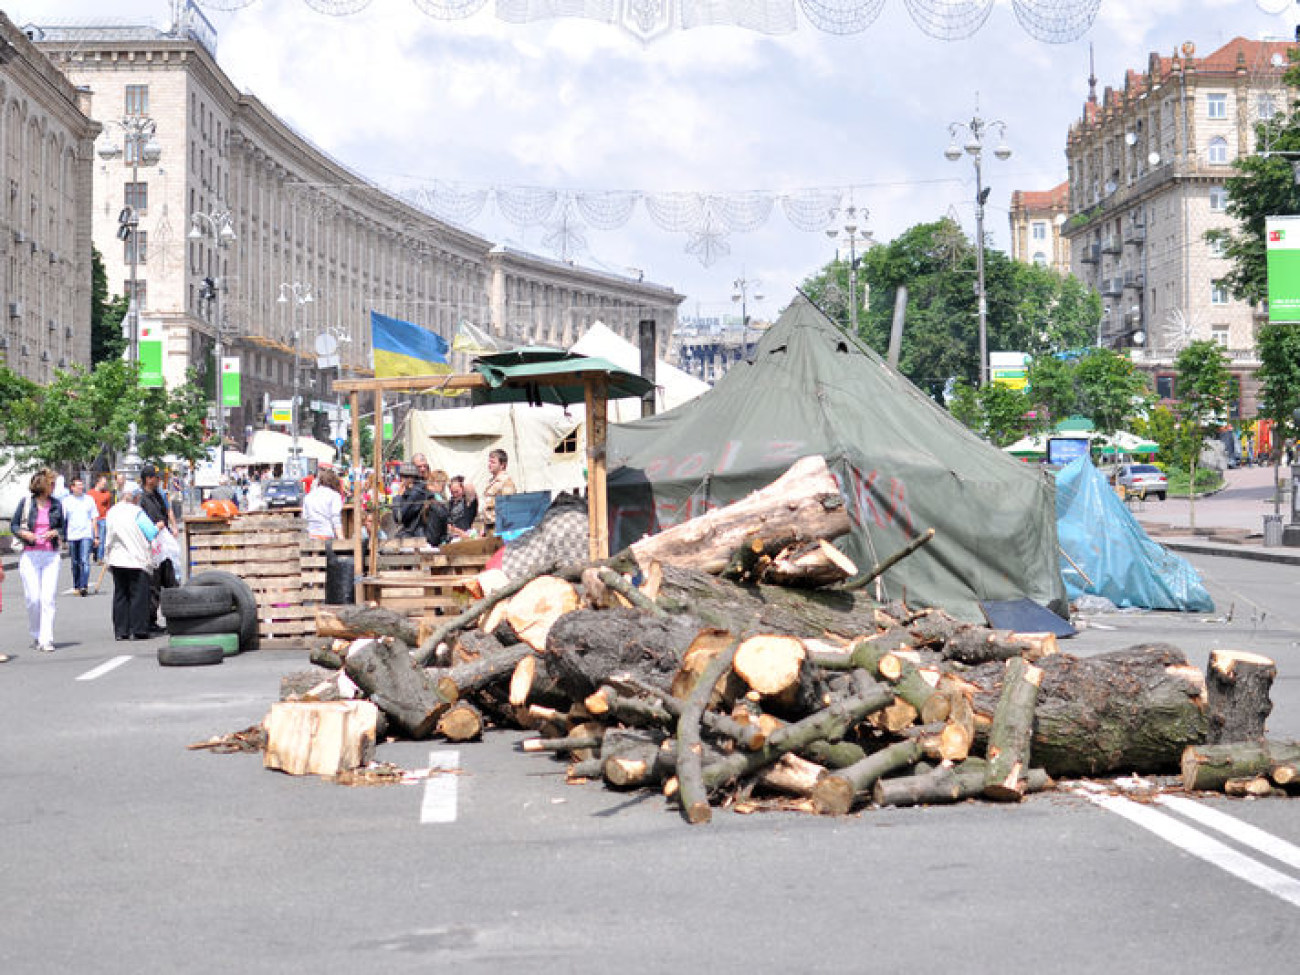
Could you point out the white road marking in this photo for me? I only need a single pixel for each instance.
(104, 668)
(1199, 845)
(440, 788)
(1243, 833)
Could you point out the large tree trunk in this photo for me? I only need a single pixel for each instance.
(357, 622)
(397, 684)
(587, 647)
(769, 609)
(1238, 684)
(1115, 712)
(803, 504)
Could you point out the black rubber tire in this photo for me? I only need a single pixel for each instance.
(245, 603)
(1161, 495)
(195, 655)
(191, 602)
(227, 622)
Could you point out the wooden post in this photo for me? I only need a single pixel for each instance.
(379, 477)
(646, 334)
(597, 398)
(354, 404)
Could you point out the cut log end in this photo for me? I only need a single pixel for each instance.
(833, 796)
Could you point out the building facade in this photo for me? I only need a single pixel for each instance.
(1147, 165)
(242, 220)
(1036, 220)
(46, 157)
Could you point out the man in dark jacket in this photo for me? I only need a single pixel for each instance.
(153, 502)
(411, 504)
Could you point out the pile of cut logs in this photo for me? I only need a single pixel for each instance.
(679, 665)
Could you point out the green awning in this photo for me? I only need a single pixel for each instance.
(545, 375)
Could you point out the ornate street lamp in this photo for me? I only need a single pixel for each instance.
(977, 130)
(850, 233)
(299, 294)
(219, 226)
(140, 146)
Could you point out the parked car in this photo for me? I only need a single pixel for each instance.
(283, 494)
(1140, 480)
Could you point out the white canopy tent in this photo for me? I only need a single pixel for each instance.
(673, 386)
(546, 445)
(273, 447)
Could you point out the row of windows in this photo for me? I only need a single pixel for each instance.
(1216, 105)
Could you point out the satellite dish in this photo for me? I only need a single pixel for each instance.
(1153, 159)
(326, 344)
(1130, 138)
(1277, 60)
(1139, 337)
(1110, 187)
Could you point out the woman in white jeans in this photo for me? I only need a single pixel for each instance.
(38, 524)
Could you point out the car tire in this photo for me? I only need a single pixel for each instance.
(192, 602)
(228, 622)
(193, 655)
(1160, 495)
(245, 602)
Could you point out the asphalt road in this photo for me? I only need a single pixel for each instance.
(126, 852)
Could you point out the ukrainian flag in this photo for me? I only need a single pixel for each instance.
(403, 349)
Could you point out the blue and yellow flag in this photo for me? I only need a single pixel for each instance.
(404, 349)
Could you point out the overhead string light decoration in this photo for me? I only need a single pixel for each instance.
(707, 219)
(1052, 21)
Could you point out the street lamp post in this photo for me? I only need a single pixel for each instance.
(299, 294)
(977, 129)
(141, 147)
(740, 292)
(220, 226)
(852, 234)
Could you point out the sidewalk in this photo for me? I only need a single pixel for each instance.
(1229, 522)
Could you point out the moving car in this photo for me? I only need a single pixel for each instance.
(283, 494)
(1139, 480)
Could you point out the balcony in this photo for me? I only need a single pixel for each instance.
(1090, 254)
(1112, 287)
(1135, 235)
(1133, 279)
(1111, 245)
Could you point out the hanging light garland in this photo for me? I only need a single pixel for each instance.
(1052, 21)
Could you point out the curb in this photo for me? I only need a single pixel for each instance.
(1252, 553)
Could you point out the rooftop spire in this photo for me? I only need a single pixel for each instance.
(1092, 77)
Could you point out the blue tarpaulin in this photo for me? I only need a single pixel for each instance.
(1121, 562)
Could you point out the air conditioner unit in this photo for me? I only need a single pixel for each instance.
(53, 326)
(25, 350)
(20, 237)
(15, 309)
(54, 258)
(68, 331)
(45, 355)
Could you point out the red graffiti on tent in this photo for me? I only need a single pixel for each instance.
(871, 501)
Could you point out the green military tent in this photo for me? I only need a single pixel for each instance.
(903, 464)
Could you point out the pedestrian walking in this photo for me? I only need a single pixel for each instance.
(322, 508)
(103, 501)
(38, 524)
(81, 515)
(126, 549)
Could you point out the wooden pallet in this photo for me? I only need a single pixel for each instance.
(418, 593)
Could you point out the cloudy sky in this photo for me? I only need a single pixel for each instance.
(408, 100)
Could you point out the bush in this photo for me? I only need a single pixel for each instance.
(1206, 480)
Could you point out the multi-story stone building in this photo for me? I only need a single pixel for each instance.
(1147, 165)
(46, 155)
(239, 201)
(1036, 219)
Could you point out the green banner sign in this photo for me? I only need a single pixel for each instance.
(230, 381)
(149, 352)
(1282, 236)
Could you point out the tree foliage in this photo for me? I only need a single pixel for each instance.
(1030, 309)
(1278, 346)
(1101, 384)
(1264, 186)
(106, 313)
(1204, 388)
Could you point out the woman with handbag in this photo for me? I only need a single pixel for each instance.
(38, 524)
(127, 552)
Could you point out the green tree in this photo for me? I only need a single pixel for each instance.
(106, 313)
(996, 411)
(186, 432)
(1031, 309)
(18, 398)
(1278, 346)
(1101, 384)
(1204, 386)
